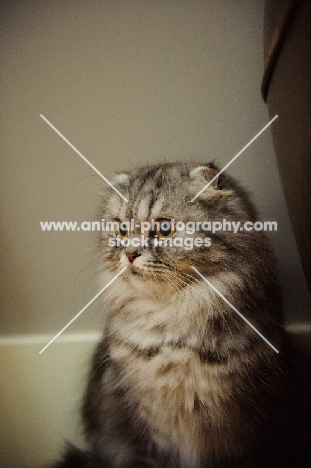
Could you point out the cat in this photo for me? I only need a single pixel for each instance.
(179, 379)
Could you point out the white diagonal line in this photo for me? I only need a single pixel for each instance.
(83, 157)
(82, 310)
(235, 310)
(235, 157)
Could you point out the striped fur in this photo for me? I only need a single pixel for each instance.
(179, 379)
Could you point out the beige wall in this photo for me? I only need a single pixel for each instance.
(40, 398)
(128, 83)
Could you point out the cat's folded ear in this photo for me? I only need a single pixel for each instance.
(203, 175)
(121, 178)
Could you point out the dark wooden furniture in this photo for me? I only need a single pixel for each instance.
(286, 87)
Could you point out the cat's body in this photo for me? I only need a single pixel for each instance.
(180, 380)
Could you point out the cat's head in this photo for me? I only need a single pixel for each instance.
(146, 233)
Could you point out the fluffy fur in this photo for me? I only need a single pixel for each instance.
(179, 379)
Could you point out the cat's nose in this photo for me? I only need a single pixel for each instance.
(132, 255)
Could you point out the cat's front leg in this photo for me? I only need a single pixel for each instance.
(113, 430)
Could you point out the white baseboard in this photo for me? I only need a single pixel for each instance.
(95, 336)
(41, 339)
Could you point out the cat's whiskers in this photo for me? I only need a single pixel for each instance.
(169, 279)
(174, 284)
(155, 276)
(192, 305)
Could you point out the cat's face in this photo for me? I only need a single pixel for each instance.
(159, 234)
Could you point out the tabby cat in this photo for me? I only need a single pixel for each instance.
(179, 379)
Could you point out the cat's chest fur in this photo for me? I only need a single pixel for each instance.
(176, 392)
(169, 389)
